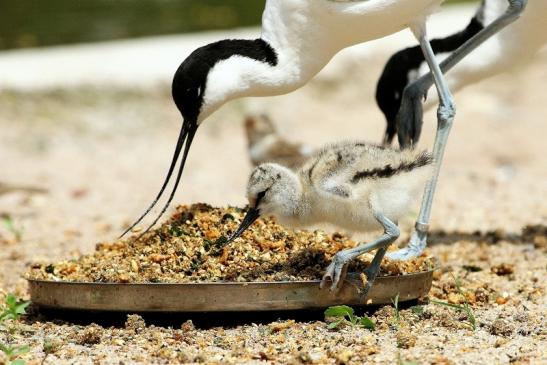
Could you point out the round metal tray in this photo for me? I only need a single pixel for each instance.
(224, 296)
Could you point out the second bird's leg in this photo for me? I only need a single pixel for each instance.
(411, 110)
(445, 117)
(410, 115)
(336, 271)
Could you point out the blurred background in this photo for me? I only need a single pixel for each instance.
(34, 23)
(88, 127)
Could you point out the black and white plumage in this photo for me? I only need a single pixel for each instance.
(504, 52)
(299, 37)
(402, 68)
(352, 185)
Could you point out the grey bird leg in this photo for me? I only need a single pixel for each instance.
(336, 271)
(374, 268)
(445, 117)
(410, 117)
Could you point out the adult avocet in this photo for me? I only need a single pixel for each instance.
(299, 37)
(506, 51)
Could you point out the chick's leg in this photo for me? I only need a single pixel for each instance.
(336, 271)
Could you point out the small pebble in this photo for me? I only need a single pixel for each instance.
(503, 269)
(91, 335)
(501, 327)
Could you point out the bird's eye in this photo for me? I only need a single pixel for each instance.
(259, 196)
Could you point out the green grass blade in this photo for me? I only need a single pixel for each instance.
(5, 349)
(339, 311)
(455, 306)
(367, 323)
(11, 301)
(21, 307)
(470, 316)
(334, 325)
(20, 350)
(3, 316)
(417, 309)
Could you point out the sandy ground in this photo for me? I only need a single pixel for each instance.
(101, 154)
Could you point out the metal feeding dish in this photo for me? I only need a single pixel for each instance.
(223, 296)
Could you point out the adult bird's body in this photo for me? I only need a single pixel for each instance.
(299, 37)
(506, 51)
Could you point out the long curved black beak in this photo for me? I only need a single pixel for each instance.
(186, 136)
(251, 216)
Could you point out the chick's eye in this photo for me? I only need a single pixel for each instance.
(260, 196)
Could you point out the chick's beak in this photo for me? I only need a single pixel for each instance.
(251, 216)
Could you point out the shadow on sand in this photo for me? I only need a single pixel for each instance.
(175, 320)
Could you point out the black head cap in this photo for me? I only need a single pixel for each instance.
(190, 80)
(189, 85)
(188, 89)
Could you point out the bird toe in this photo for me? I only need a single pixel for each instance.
(328, 276)
(334, 273)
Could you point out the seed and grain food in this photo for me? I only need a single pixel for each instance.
(190, 248)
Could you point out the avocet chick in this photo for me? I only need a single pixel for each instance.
(267, 145)
(353, 185)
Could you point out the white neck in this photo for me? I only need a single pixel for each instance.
(240, 76)
(305, 35)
